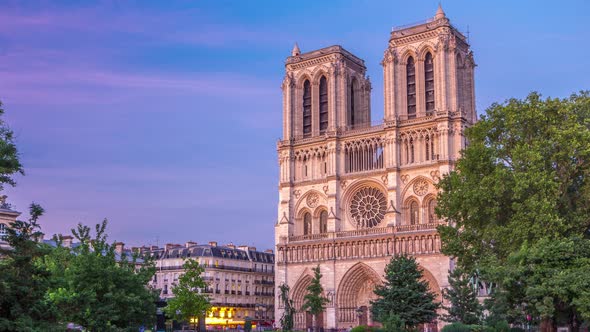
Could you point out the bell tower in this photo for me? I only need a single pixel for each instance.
(324, 90)
(428, 68)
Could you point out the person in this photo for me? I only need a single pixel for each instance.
(349, 328)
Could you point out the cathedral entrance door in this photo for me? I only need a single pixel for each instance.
(362, 312)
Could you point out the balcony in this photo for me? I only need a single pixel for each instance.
(368, 232)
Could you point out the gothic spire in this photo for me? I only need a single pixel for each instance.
(295, 51)
(439, 12)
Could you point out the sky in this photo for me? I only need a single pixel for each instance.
(163, 116)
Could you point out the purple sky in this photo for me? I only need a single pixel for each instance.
(163, 116)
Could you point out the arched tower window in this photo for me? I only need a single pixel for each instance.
(432, 218)
(323, 104)
(429, 82)
(324, 222)
(307, 223)
(414, 213)
(411, 87)
(351, 118)
(306, 109)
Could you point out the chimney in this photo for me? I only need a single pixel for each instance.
(66, 241)
(119, 246)
(152, 248)
(252, 248)
(243, 247)
(269, 251)
(213, 243)
(190, 244)
(231, 246)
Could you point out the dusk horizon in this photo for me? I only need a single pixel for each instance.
(164, 119)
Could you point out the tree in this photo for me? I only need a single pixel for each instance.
(289, 308)
(9, 158)
(188, 301)
(522, 180)
(462, 295)
(553, 277)
(96, 288)
(523, 177)
(23, 281)
(404, 296)
(313, 301)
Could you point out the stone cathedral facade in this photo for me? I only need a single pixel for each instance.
(353, 193)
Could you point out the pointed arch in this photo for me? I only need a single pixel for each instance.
(297, 294)
(360, 278)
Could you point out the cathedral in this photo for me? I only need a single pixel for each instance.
(353, 193)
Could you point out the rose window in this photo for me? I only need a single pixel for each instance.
(368, 207)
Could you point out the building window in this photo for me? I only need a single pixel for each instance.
(307, 223)
(324, 222)
(429, 82)
(3, 232)
(432, 218)
(306, 109)
(414, 213)
(411, 87)
(352, 108)
(323, 105)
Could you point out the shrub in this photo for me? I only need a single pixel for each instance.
(456, 327)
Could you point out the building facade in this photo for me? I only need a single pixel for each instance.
(7, 217)
(351, 193)
(241, 280)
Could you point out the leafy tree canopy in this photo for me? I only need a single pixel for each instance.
(518, 203)
(404, 296)
(9, 157)
(188, 301)
(23, 282)
(98, 289)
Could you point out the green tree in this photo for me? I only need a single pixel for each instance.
(314, 301)
(23, 281)
(289, 308)
(462, 295)
(98, 289)
(188, 301)
(404, 296)
(9, 158)
(554, 278)
(522, 180)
